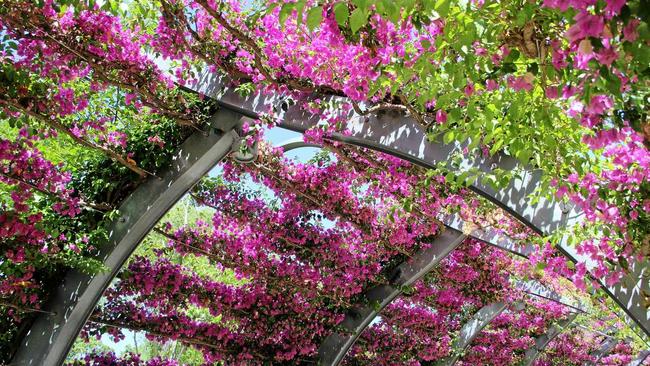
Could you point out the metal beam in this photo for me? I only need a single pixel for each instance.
(543, 341)
(640, 359)
(486, 314)
(336, 345)
(537, 289)
(473, 328)
(605, 348)
(296, 143)
(51, 336)
(401, 136)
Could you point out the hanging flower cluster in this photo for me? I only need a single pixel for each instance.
(303, 254)
(109, 358)
(565, 345)
(298, 275)
(422, 324)
(35, 193)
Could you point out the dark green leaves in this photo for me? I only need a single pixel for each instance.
(442, 7)
(341, 13)
(358, 19)
(314, 17)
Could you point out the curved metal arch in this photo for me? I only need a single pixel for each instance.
(605, 348)
(640, 359)
(543, 341)
(488, 313)
(473, 328)
(296, 143)
(401, 136)
(336, 345)
(51, 335)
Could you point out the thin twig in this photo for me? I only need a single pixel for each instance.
(53, 123)
(25, 309)
(103, 207)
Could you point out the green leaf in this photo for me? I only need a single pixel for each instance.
(469, 36)
(341, 13)
(300, 8)
(449, 137)
(358, 19)
(285, 11)
(392, 11)
(408, 205)
(361, 4)
(314, 17)
(524, 156)
(442, 7)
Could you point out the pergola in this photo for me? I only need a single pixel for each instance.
(53, 332)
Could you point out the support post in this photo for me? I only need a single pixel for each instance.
(543, 341)
(473, 328)
(51, 336)
(336, 345)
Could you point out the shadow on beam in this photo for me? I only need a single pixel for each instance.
(401, 136)
(473, 328)
(336, 345)
(51, 336)
(543, 341)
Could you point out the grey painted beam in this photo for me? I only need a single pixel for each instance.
(490, 236)
(336, 345)
(486, 314)
(640, 359)
(296, 143)
(51, 336)
(473, 328)
(539, 290)
(543, 341)
(605, 348)
(403, 137)
(487, 235)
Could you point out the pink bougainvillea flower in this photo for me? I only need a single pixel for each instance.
(586, 25)
(551, 92)
(599, 104)
(469, 89)
(441, 116)
(614, 7)
(491, 85)
(607, 56)
(630, 32)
